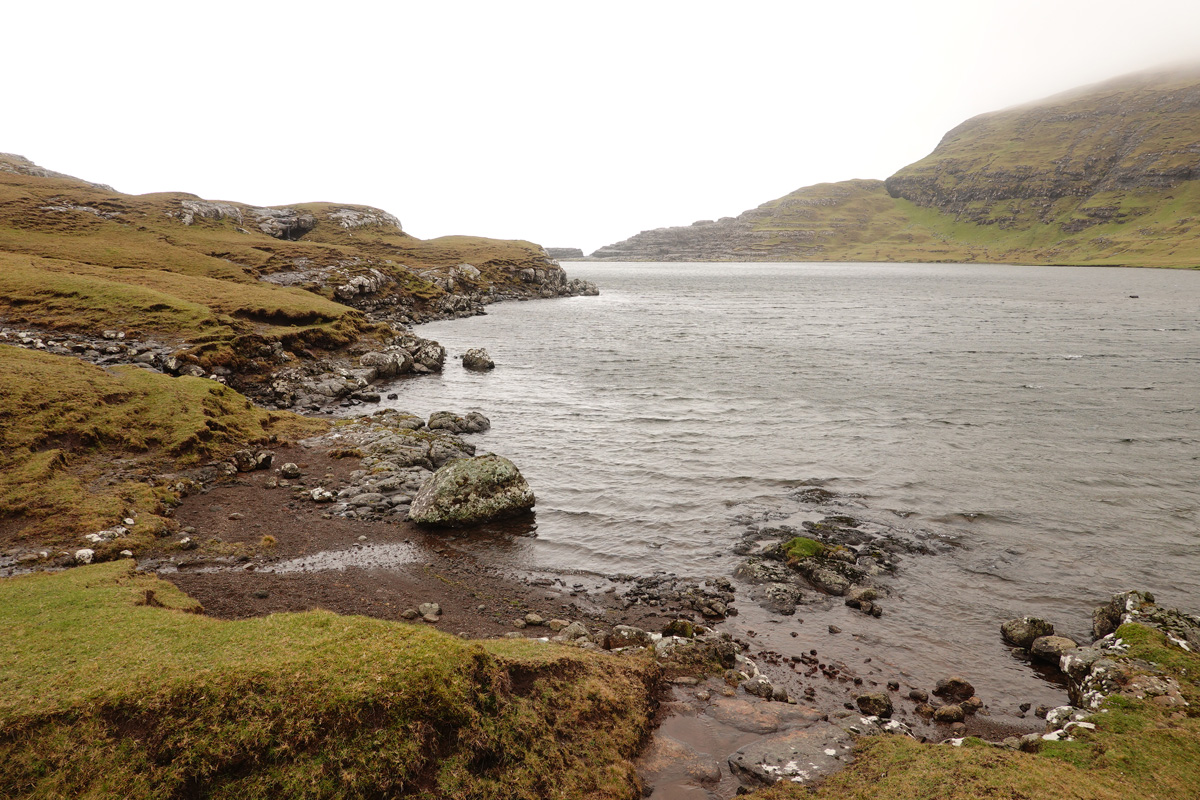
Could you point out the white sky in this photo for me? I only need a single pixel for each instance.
(569, 124)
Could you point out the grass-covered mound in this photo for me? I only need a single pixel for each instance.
(109, 687)
(79, 445)
(1138, 750)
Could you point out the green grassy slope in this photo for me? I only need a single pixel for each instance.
(81, 447)
(1107, 174)
(109, 687)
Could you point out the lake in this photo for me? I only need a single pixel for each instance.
(1041, 424)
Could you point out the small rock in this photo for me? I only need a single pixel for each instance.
(626, 636)
(84, 555)
(533, 618)
(949, 713)
(680, 627)
(409, 613)
(1051, 648)
(557, 625)
(574, 631)
(290, 470)
(429, 610)
(920, 695)
(954, 688)
(876, 703)
(971, 705)
(834, 629)
(1021, 632)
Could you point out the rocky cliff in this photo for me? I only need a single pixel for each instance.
(564, 252)
(1106, 174)
(1083, 158)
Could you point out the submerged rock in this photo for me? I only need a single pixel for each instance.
(954, 688)
(470, 491)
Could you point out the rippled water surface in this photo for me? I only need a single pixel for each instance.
(1041, 420)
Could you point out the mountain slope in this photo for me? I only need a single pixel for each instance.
(1106, 174)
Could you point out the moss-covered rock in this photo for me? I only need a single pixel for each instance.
(470, 491)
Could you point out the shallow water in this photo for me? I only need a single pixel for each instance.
(1040, 421)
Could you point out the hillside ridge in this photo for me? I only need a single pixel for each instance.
(1102, 174)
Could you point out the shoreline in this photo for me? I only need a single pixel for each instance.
(389, 568)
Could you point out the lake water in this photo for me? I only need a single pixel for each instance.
(1041, 422)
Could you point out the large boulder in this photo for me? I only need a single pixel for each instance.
(471, 491)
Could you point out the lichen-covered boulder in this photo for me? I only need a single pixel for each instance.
(470, 491)
(477, 360)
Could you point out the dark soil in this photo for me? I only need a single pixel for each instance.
(385, 567)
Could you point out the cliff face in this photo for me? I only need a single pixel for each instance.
(1107, 174)
(1068, 160)
(811, 224)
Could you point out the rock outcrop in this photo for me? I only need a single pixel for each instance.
(564, 252)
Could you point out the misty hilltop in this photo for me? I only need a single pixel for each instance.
(1105, 174)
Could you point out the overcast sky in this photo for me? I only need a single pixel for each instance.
(569, 124)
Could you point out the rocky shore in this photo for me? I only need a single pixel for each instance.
(336, 514)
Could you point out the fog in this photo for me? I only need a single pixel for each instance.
(564, 124)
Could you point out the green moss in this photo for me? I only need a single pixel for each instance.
(802, 547)
(109, 687)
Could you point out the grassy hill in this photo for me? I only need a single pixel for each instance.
(1107, 174)
(217, 278)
